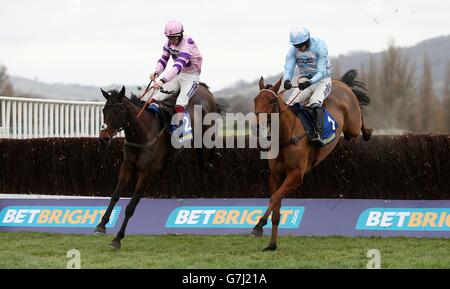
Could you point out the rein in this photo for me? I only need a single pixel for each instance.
(114, 132)
(145, 104)
(150, 98)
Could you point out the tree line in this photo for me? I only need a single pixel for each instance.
(6, 88)
(400, 101)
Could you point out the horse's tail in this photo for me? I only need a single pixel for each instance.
(358, 87)
(362, 94)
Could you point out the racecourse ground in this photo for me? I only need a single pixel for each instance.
(43, 250)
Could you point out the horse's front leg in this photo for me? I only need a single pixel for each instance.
(143, 180)
(125, 173)
(293, 179)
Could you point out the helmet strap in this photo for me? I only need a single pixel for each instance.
(180, 38)
(308, 43)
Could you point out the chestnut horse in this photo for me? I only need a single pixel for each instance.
(297, 156)
(146, 146)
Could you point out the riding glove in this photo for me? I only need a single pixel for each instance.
(304, 85)
(158, 84)
(287, 84)
(154, 75)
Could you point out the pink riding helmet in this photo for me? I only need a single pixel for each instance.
(173, 28)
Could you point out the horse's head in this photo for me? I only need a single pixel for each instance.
(266, 102)
(267, 99)
(114, 115)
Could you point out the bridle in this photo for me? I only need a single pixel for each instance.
(114, 131)
(292, 139)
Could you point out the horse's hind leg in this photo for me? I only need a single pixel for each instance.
(125, 172)
(213, 156)
(367, 132)
(347, 136)
(354, 125)
(203, 162)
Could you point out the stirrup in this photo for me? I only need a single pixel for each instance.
(317, 140)
(316, 137)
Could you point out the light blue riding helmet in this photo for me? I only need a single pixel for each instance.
(298, 35)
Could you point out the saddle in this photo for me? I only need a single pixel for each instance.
(167, 108)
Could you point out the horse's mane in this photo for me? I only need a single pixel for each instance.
(133, 99)
(136, 101)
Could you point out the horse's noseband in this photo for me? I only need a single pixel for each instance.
(275, 100)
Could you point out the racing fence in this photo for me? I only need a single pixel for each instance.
(25, 118)
(386, 167)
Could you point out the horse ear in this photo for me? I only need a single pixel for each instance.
(105, 94)
(277, 85)
(122, 91)
(261, 83)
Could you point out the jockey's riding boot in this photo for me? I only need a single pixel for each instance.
(298, 108)
(318, 125)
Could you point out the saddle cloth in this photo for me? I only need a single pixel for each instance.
(329, 123)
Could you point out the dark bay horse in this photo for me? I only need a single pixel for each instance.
(146, 147)
(297, 156)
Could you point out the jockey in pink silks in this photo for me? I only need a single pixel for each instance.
(183, 77)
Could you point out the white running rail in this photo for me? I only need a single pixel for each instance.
(24, 118)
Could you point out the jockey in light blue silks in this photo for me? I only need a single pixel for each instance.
(310, 54)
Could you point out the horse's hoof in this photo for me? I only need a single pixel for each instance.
(100, 230)
(115, 245)
(257, 232)
(367, 134)
(271, 247)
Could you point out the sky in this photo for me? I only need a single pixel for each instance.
(103, 42)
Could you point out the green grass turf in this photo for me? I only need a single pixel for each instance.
(42, 250)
